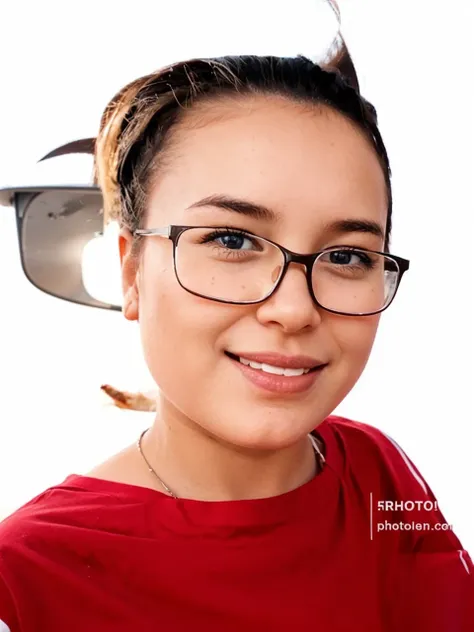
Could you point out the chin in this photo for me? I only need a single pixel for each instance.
(249, 419)
(262, 428)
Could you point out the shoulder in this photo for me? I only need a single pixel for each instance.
(367, 450)
(77, 502)
(433, 574)
(43, 529)
(55, 532)
(38, 519)
(25, 537)
(60, 532)
(374, 466)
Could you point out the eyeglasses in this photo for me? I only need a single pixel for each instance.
(229, 265)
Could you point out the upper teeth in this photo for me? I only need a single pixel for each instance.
(277, 370)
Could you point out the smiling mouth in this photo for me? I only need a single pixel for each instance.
(273, 369)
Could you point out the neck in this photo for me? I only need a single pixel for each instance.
(199, 466)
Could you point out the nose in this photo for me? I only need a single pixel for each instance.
(291, 306)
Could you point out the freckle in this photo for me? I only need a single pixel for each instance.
(276, 274)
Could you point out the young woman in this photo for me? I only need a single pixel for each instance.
(254, 201)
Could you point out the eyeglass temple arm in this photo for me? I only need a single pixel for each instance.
(148, 232)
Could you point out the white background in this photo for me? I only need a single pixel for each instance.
(60, 65)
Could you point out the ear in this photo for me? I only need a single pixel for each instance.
(130, 266)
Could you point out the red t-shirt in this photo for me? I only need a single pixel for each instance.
(100, 556)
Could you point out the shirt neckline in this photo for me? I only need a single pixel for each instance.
(299, 503)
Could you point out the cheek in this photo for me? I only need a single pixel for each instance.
(180, 332)
(355, 338)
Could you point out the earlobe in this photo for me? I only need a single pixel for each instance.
(130, 304)
(129, 266)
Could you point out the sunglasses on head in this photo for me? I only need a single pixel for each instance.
(64, 246)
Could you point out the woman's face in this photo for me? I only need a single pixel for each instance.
(312, 169)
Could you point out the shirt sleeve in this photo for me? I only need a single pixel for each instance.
(437, 582)
(435, 578)
(7, 610)
(419, 508)
(430, 582)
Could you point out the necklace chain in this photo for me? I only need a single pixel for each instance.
(152, 471)
(314, 442)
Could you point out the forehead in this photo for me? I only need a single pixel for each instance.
(309, 164)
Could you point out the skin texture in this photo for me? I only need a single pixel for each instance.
(217, 436)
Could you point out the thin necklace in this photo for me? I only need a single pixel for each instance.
(314, 442)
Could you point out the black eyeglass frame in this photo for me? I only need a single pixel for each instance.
(174, 232)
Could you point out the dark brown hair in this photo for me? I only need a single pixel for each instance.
(137, 125)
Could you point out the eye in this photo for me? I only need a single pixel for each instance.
(349, 258)
(231, 240)
(235, 241)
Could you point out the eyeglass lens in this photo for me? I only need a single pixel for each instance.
(238, 267)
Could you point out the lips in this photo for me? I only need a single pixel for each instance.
(278, 374)
(278, 360)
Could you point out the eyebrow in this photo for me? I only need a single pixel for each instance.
(258, 211)
(243, 207)
(345, 226)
